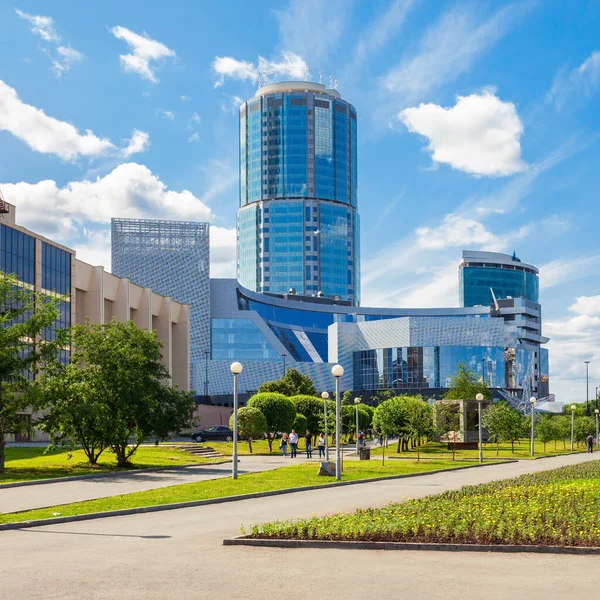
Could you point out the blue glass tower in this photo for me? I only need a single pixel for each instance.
(298, 224)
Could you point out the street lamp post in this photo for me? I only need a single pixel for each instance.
(532, 400)
(596, 396)
(597, 412)
(337, 371)
(325, 396)
(573, 408)
(479, 399)
(236, 369)
(587, 387)
(356, 403)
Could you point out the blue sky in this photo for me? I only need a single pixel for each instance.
(478, 128)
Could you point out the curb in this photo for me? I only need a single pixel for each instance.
(350, 545)
(4, 486)
(194, 503)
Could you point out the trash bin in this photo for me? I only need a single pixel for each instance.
(365, 454)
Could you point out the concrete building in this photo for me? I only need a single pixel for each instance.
(92, 293)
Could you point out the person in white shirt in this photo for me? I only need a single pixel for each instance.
(293, 443)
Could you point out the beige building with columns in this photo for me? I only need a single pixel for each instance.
(99, 296)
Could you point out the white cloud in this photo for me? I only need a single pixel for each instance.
(449, 48)
(145, 51)
(139, 142)
(378, 33)
(232, 104)
(185, 98)
(62, 57)
(81, 210)
(570, 87)
(195, 118)
(571, 269)
(312, 27)
(42, 26)
(195, 137)
(456, 231)
(480, 134)
(586, 305)
(43, 133)
(166, 114)
(290, 65)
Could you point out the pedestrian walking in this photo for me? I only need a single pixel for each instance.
(293, 437)
(321, 445)
(590, 443)
(284, 444)
(361, 439)
(307, 441)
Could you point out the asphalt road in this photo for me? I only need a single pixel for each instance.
(179, 554)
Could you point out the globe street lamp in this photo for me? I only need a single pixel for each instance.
(236, 369)
(356, 403)
(532, 400)
(325, 396)
(337, 371)
(479, 399)
(597, 412)
(573, 408)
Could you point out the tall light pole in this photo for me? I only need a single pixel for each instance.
(532, 400)
(573, 408)
(479, 399)
(283, 356)
(587, 387)
(236, 369)
(596, 396)
(356, 403)
(337, 371)
(325, 396)
(206, 355)
(597, 411)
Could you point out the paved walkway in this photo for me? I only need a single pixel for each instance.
(179, 554)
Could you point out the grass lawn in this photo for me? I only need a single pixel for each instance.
(285, 477)
(23, 464)
(440, 450)
(552, 508)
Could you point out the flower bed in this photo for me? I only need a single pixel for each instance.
(552, 508)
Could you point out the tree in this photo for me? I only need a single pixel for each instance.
(419, 419)
(447, 421)
(293, 383)
(466, 384)
(563, 429)
(251, 424)
(504, 423)
(546, 430)
(25, 316)
(584, 426)
(312, 409)
(390, 418)
(300, 424)
(119, 386)
(279, 412)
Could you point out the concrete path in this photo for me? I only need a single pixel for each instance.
(179, 554)
(62, 492)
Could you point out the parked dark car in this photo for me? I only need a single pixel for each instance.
(215, 433)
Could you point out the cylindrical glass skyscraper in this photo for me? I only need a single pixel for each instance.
(298, 225)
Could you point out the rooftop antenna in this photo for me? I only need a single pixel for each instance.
(320, 76)
(306, 73)
(495, 301)
(330, 81)
(335, 84)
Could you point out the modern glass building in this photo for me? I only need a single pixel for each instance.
(507, 276)
(172, 258)
(298, 224)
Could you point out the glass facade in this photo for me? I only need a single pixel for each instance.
(172, 258)
(425, 367)
(476, 281)
(56, 269)
(239, 339)
(17, 254)
(298, 179)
